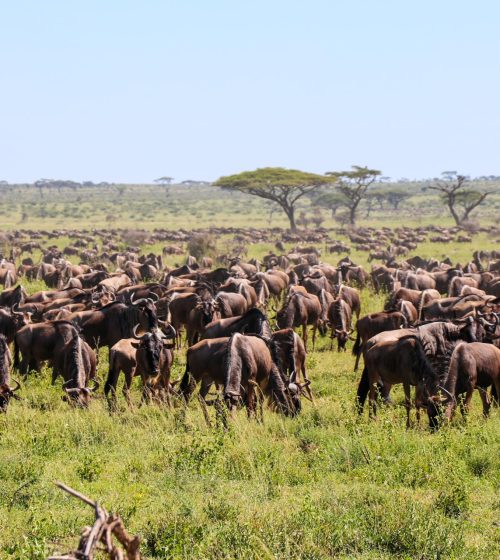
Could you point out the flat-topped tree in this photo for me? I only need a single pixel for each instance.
(353, 186)
(283, 186)
(454, 193)
(164, 180)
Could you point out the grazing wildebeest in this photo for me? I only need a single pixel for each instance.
(293, 355)
(408, 356)
(252, 371)
(472, 366)
(149, 356)
(350, 296)
(38, 343)
(339, 318)
(76, 362)
(6, 391)
(300, 310)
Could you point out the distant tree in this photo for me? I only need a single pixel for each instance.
(353, 186)
(164, 180)
(303, 219)
(330, 201)
(41, 184)
(283, 186)
(454, 193)
(317, 217)
(396, 196)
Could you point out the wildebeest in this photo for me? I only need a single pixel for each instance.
(193, 312)
(300, 310)
(11, 321)
(6, 391)
(373, 324)
(254, 321)
(339, 318)
(149, 356)
(38, 343)
(472, 366)
(252, 371)
(109, 324)
(76, 362)
(411, 357)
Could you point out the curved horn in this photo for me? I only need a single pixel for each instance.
(14, 307)
(155, 295)
(95, 386)
(18, 385)
(134, 330)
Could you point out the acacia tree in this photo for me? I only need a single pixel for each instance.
(164, 180)
(283, 186)
(454, 192)
(353, 186)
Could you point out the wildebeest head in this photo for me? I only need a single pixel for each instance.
(207, 309)
(147, 312)
(7, 393)
(20, 319)
(151, 344)
(284, 316)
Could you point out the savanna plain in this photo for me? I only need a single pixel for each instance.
(326, 484)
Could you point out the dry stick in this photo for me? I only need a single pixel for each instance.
(104, 526)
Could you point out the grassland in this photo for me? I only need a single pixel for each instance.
(327, 484)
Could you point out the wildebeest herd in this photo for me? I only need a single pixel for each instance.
(246, 322)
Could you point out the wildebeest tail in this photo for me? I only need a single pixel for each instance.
(16, 354)
(356, 349)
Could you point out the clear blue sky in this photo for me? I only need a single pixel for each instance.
(122, 90)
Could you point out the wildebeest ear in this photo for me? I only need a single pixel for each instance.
(136, 344)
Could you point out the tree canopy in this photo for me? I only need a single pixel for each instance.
(283, 186)
(454, 192)
(353, 186)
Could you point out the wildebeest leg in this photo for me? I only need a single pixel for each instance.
(204, 408)
(55, 375)
(126, 387)
(363, 389)
(419, 401)
(304, 335)
(315, 328)
(466, 403)
(332, 338)
(372, 400)
(406, 387)
(251, 401)
(485, 400)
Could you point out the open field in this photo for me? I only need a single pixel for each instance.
(180, 206)
(326, 484)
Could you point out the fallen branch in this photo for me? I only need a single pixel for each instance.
(106, 526)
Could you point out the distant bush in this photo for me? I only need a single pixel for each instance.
(202, 246)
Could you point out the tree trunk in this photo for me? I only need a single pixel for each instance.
(290, 212)
(453, 212)
(352, 214)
